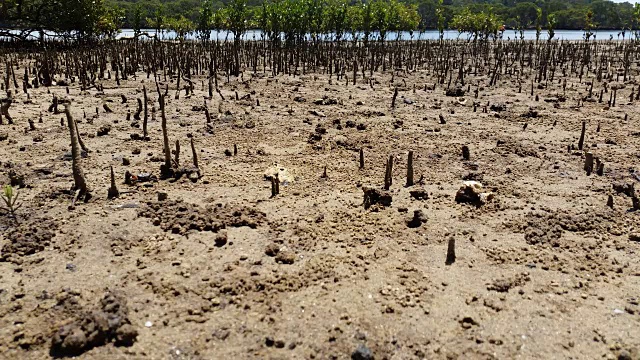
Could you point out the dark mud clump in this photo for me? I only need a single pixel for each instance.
(498, 107)
(180, 217)
(28, 238)
(419, 194)
(419, 218)
(374, 196)
(110, 323)
(457, 91)
(624, 188)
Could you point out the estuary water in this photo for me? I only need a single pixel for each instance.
(405, 35)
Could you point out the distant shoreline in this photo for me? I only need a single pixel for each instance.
(560, 34)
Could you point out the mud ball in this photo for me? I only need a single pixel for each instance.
(126, 335)
(286, 257)
(104, 130)
(362, 353)
(221, 239)
(69, 341)
(419, 194)
(269, 341)
(272, 250)
(419, 218)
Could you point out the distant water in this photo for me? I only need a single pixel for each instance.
(405, 35)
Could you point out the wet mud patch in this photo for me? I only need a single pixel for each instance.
(90, 329)
(543, 227)
(28, 238)
(504, 147)
(180, 217)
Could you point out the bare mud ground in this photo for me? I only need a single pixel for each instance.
(220, 270)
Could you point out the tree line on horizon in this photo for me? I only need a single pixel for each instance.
(293, 20)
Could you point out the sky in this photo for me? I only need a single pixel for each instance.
(629, 1)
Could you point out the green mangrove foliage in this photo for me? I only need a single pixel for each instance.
(479, 25)
(291, 21)
(67, 18)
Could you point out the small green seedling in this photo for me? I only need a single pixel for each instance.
(10, 199)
